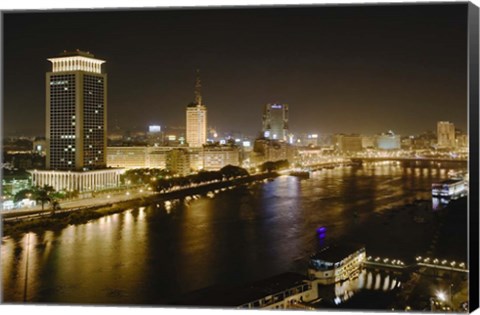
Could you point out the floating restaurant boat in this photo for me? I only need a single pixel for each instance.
(451, 188)
(337, 263)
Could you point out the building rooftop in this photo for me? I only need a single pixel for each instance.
(336, 253)
(224, 296)
(77, 52)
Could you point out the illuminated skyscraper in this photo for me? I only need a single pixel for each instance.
(445, 134)
(76, 124)
(197, 119)
(275, 121)
(76, 117)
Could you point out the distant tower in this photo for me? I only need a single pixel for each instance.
(445, 134)
(76, 99)
(197, 118)
(275, 121)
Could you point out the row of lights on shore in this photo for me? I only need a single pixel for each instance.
(387, 260)
(437, 261)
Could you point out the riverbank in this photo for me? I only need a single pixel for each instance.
(59, 220)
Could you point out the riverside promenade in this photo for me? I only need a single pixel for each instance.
(131, 195)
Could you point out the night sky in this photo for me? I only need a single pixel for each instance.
(341, 69)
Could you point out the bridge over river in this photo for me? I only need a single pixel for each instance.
(435, 263)
(409, 159)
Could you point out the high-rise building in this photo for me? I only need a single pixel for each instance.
(275, 122)
(154, 135)
(196, 119)
(445, 134)
(76, 117)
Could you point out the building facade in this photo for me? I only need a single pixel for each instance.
(196, 116)
(266, 150)
(178, 161)
(275, 122)
(76, 113)
(445, 134)
(137, 157)
(217, 156)
(388, 141)
(348, 143)
(77, 181)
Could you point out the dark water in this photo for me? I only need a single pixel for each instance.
(153, 255)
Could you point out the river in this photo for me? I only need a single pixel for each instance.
(152, 255)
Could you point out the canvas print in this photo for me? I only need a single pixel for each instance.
(302, 157)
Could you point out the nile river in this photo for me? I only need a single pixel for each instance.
(155, 254)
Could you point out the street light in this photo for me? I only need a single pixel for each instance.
(441, 296)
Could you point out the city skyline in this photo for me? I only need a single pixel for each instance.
(284, 177)
(407, 77)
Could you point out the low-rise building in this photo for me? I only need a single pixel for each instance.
(127, 157)
(217, 156)
(178, 161)
(80, 181)
(266, 150)
(348, 143)
(388, 141)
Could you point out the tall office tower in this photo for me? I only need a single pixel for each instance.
(445, 134)
(197, 119)
(76, 117)
(76, 124)
(275, 121)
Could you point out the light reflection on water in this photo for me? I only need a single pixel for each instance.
(345, 290)
(150, 255)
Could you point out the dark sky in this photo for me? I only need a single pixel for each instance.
(341, 69)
